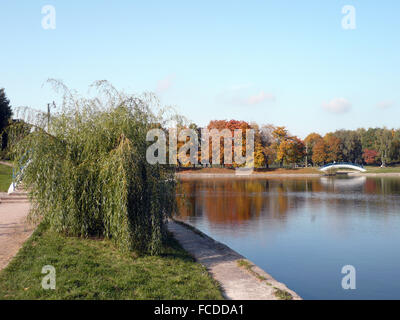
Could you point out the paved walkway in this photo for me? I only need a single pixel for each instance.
(237, 283)
(6, 163)
(14, 229)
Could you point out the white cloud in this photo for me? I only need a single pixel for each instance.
(242, 95)
(260, 97)
(166, 83)
(337, 105)
(385, 104)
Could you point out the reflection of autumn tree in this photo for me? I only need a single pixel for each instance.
(370, 186)
(382, 186)
(222, 201)
(282, 200)
(316, 186)
(234, 201)
(238, 201)
(186, 198)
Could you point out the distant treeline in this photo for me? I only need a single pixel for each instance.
(274, 145)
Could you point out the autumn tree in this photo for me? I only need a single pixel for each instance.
(370, 156)
(219, 125)
(319, 154)
(291, 150)
(332, 144)
(231, 126)
(309, 143)
(259, 155)
(280, 135)
(270, 154)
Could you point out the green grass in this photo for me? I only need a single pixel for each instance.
(282, 294)
(374, 169)
(5, 177)
(279, 293)
(95, 269)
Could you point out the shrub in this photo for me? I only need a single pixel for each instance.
(87, 174)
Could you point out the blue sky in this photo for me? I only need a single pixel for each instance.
(282, 62)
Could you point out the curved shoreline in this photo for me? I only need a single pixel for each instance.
(239, 278)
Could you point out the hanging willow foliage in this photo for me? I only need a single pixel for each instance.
(87, 174)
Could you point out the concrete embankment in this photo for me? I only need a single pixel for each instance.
(238, 277)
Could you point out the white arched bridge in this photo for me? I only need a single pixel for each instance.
(342, 165)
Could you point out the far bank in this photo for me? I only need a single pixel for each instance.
(312, 172)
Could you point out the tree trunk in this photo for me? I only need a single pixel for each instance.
(306, 156)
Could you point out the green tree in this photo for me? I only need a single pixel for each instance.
(383, 143)
(350, 146)
(395, 146)
(5, 115)
(367, 137)
(88, 171)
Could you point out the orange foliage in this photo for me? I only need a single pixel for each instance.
(319, 152)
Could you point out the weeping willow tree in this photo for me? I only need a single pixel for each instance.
(86, 171)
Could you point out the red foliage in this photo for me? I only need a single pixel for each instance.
(370, 156)
(230, 125)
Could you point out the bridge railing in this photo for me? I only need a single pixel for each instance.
(17, 173)
(341, 163)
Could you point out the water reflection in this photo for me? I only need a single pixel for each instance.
(234, 202)
(343, 184)
(330, 218)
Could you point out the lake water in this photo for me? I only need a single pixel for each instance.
(303, 231)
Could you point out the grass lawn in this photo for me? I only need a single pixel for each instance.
(5, 177)
(375, 169)
(95, 269)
